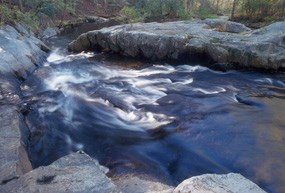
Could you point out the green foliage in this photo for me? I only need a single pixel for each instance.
(172, 7)
(6, 14)
(31, 19)
(14, 15)
(257, 7)
(183, 14)
(32, 8)
(131, 14)
(49, 8)
(260, 10)
(55, 8)
(206, 12)
(154, 9)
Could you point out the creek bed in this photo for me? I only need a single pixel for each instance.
(163, 121)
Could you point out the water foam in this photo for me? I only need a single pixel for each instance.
(57, 56)
(217, 90)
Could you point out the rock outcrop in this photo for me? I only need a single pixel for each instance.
(20, 51)
(76, 172)
(14, 159)
(213, 183)
(226, 43)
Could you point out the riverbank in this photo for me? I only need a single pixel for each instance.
(224, 43)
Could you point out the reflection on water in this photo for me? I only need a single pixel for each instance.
(167, 122)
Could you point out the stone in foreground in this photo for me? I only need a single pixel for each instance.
(14, 159)
(227, 43)
(139, 184)
(213, 183)
(76, 172)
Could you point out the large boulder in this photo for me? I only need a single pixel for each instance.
(14, 160)
(213, 183)
(226, 43)
(76, 172)
(20, 51)
(132, 183)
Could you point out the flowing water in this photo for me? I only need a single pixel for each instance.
(162, 120)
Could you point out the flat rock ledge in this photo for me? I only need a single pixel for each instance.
(227, 43)
(75, 173)
(213, 183)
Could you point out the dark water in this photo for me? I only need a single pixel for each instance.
(166, 121)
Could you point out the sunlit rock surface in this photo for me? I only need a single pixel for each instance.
(76, 172)
(213, 183)
(228, 43)
(131, 184)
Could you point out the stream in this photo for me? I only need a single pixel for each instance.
(167, 121)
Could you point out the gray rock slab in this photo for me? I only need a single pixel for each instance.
(76, 172)
(20, 51)
(213, 183)
(13, 158)
(227, 43)
(138, 184)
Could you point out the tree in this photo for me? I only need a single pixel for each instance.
(283, 9)
(188, 5)
(20, 2)
(234, 9)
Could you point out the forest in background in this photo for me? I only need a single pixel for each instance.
(43, 13)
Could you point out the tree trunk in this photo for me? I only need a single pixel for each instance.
(20, 2)
(218, 6)
(186, 5)
(283, 9)
(161, 5)
(63, 12)
(234, 9)
(105, 4)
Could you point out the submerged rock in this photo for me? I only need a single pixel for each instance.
(20, 51)
(76, 172)
(213, 183)
(227, 43)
